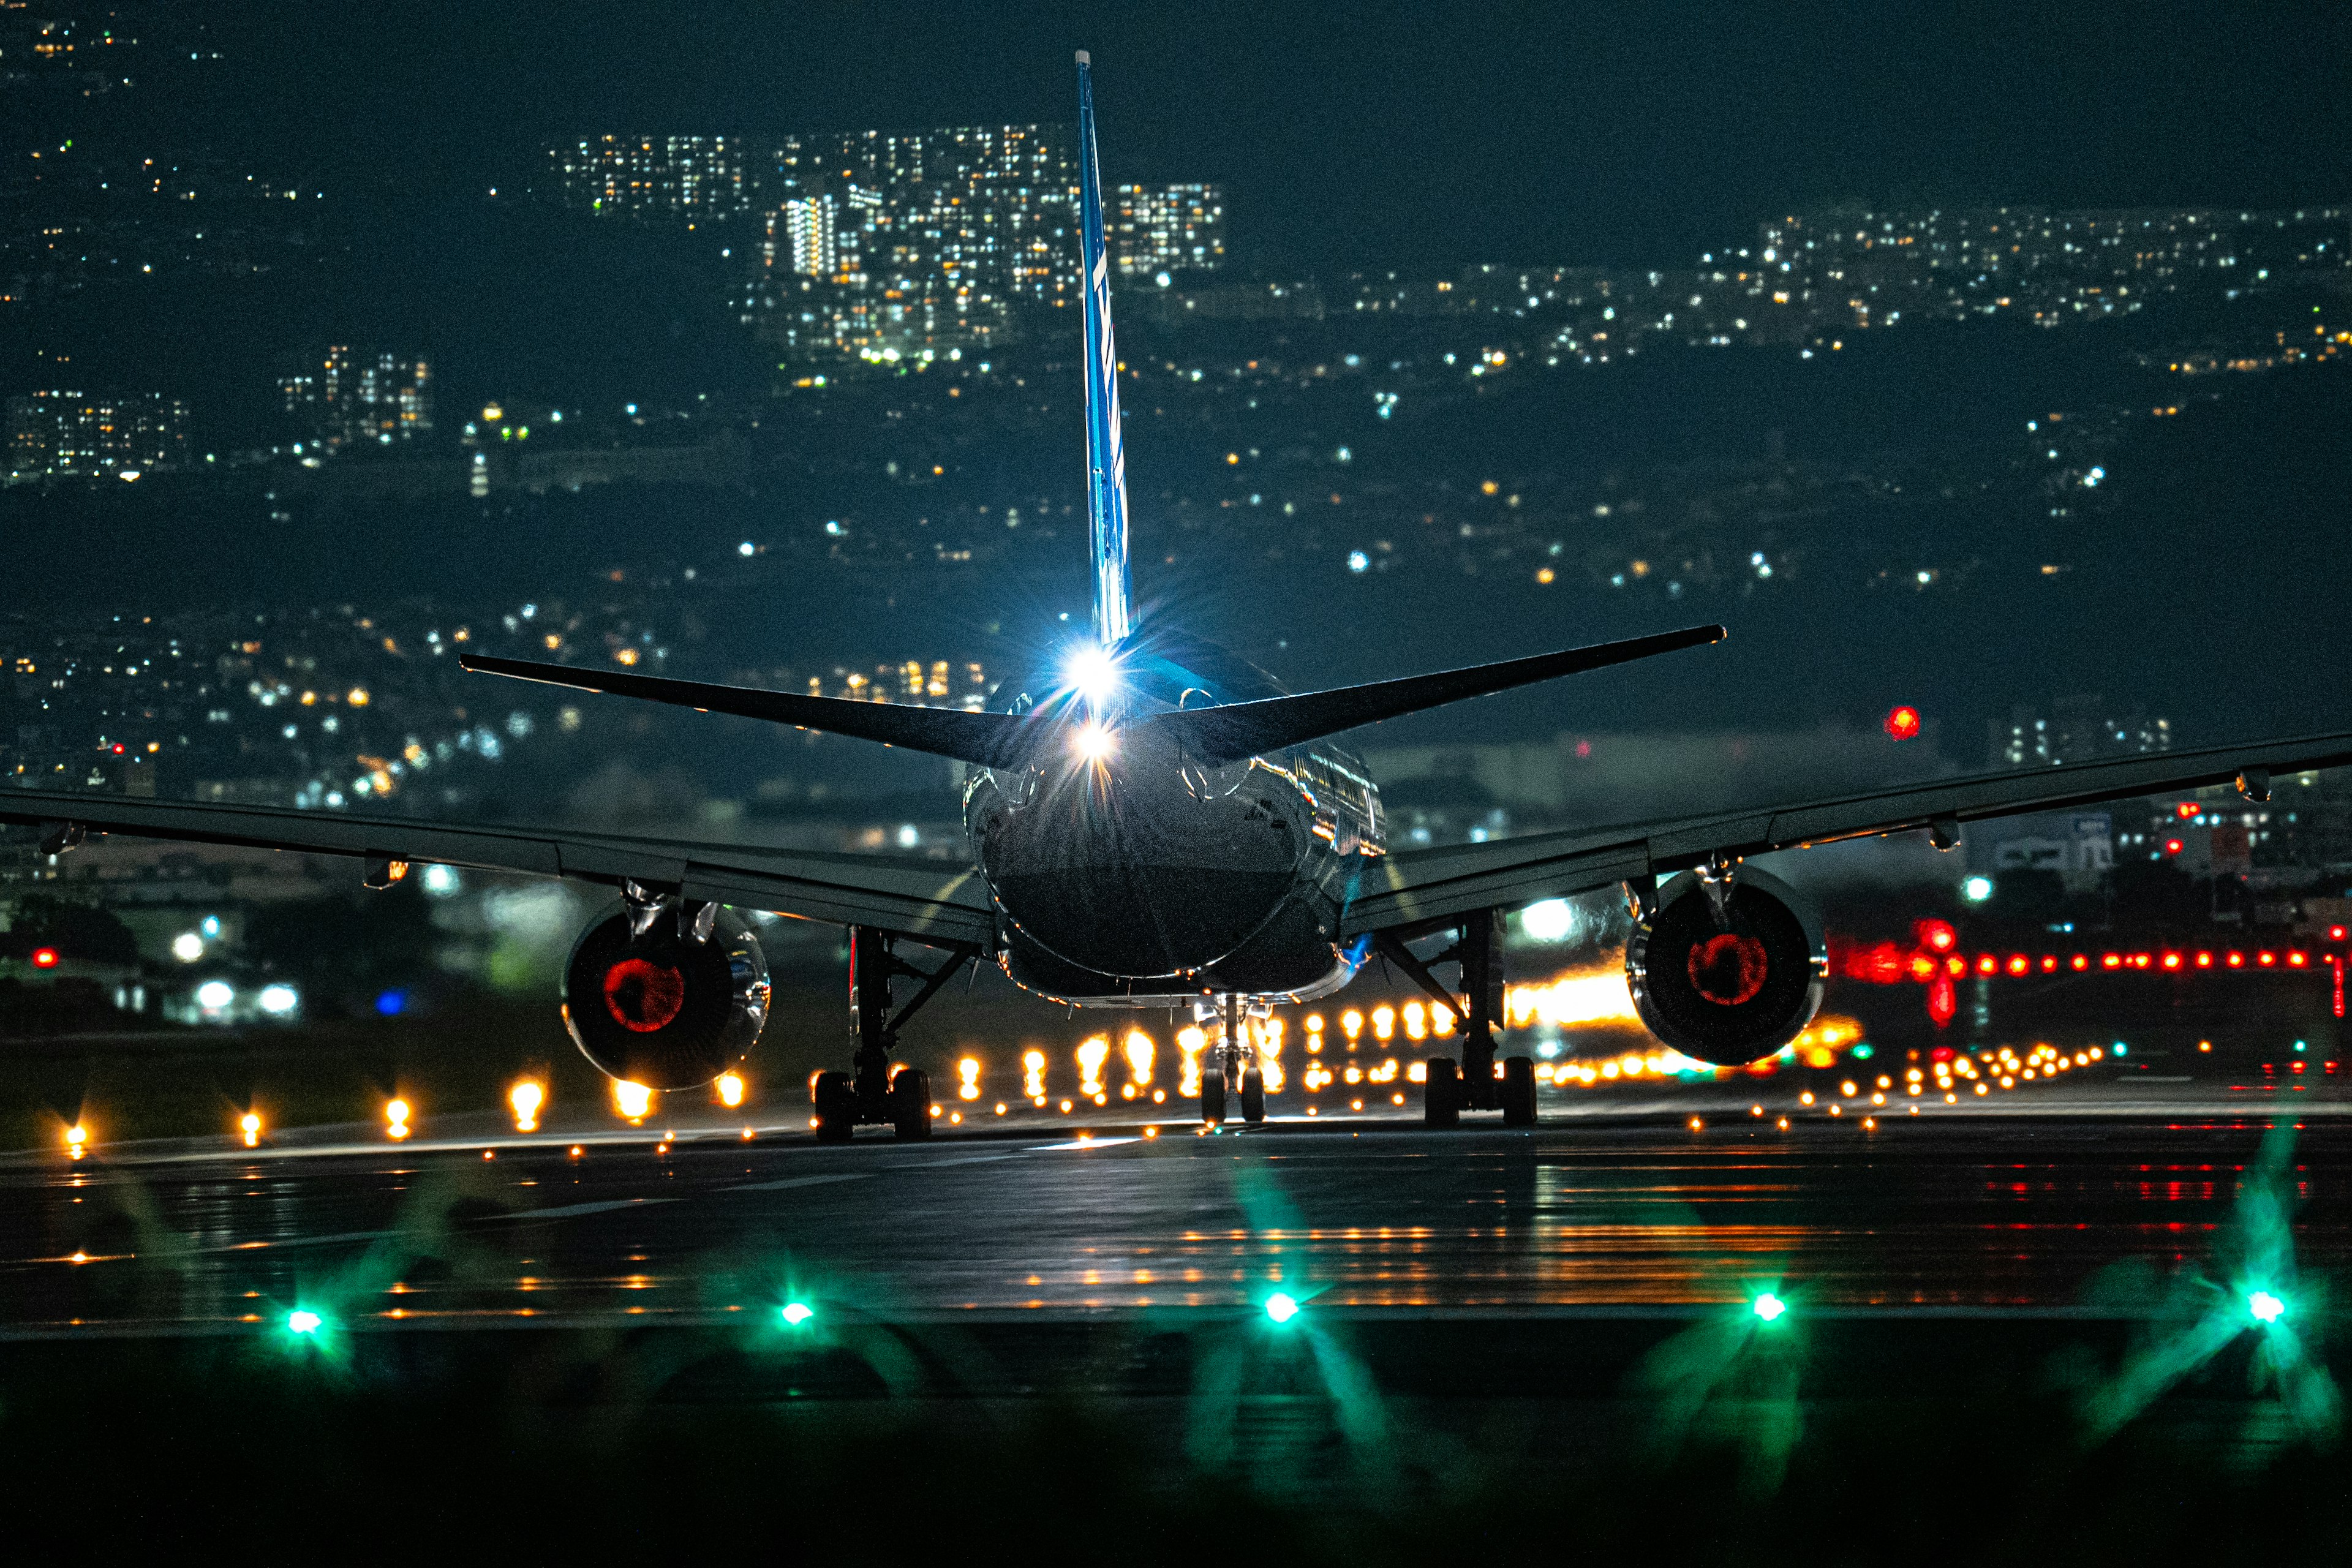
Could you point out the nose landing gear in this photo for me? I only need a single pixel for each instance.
(1231, 1072)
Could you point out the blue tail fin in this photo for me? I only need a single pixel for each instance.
(1106, 456)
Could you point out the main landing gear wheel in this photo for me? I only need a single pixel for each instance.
(910, 1104)
(1253, 1097)
(1212, 1095)
(1441, 1093)
(1518, 1091)
(834, 1103)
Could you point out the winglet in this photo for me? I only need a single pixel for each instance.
(1105, 453)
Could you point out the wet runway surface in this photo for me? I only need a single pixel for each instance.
(2017, 1210)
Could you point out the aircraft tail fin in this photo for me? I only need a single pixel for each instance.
(1106, 454)
(1239, 729)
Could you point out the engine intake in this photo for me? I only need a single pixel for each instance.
(662, 1009)
(1733, 990)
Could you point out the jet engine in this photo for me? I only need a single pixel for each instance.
(1727, 980)
(660, 998)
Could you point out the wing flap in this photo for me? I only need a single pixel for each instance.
(1414, 886)
(917, 896)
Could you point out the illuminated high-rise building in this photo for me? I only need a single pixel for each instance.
(686, 176)
(59, 434)
(909, 245)
(353, 398)
(1167, 229)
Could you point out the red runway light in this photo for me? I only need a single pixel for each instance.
(2336, 933)
(2237, 960)
(2016, 964)
(2296, 961)
(2111, 961)
(1903, 722)
(44, 958)
(2186, 809)
(1955, 965)
(2204, 960)
(2141, 959)
(2082, 960)
(1937, 936)
(2049, 964)
(2266, 959)
(2173, 846)
(1987, 965)
(1942, 1002)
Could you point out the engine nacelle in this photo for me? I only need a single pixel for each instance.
(1728, 991)
(662, 1009)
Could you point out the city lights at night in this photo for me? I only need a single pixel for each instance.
(1294, 781)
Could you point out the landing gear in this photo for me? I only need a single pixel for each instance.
(1441, 1093)
(1475, 1084)
(1231, 1072)
(1519, 1094)
(878, 1095)
(836, 1106)
(910, 1104)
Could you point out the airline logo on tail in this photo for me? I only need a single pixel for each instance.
(1105, 454)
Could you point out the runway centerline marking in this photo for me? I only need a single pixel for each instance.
(569, 1210)
(795, 1182)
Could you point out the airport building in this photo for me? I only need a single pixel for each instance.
(65, 435)
(351, 398)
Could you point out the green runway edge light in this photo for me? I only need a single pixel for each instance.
(796, 1313)
(1281, 1308)
(1769, 1307)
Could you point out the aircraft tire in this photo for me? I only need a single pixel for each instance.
(1441, 1093)
(1518, 1091)
(835, 1105)
(910, 1104)
(1212, 1096)
(1253, 1097)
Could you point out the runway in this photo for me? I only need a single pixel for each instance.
(2017, 1209)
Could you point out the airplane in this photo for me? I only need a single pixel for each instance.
(1154, 823)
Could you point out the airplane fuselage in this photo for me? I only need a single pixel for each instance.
(1132, 874)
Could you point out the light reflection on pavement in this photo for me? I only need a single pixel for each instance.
(1619, 1208)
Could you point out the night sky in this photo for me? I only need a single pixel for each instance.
(1410, 136)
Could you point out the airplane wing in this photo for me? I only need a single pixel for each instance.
(1433, 887)
(919, 898)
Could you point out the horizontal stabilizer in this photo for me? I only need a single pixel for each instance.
(1227, 735)
(985, 739)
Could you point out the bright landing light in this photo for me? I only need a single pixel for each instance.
(1094, 673)
(1769, 1307)
(798, 1312)
(302, 1321)
(1281, 1308)
(2265, 1307)
(1094, 742)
